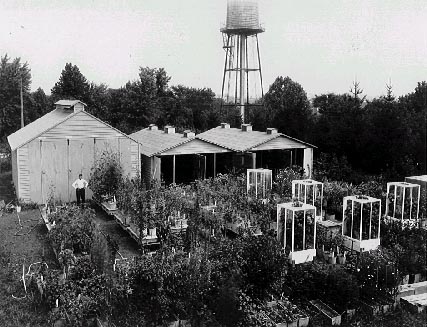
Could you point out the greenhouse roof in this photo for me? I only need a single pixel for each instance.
(241, 140)
(154, 141)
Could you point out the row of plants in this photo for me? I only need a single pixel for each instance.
(208, 287)
(79, 292)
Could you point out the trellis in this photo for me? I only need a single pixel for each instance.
(361, 222)
(296, 230)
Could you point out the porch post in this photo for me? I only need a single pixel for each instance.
(214, 165)
(308, 161)
(173, 169)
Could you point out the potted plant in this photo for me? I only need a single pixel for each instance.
(341, 257)
(332, 259)
(151, 228)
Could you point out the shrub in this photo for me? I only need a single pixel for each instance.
(106, 174)
(334, 192)
(407, 245)
(330, 284)
(283, 182)
(73, 229)
(376, 272)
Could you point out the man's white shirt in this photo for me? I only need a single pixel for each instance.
(80, 183)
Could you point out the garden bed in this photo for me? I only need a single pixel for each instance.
(331, 316)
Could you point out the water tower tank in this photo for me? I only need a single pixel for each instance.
(242, 16)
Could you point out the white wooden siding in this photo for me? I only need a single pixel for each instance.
(134, 159)
(23, 173)
(81, 125)
(51, 162)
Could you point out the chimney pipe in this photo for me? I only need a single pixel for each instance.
(246, 127)
(271, 130)
(169, 129)
(189, 134)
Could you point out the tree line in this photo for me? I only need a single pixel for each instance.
(385, 135)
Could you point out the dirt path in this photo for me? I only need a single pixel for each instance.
(128, 247)
(21, 246)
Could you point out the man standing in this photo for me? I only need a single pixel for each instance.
(80, 185)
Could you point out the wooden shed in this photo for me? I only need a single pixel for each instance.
(254, 149)
(50, 153)
(175, 157)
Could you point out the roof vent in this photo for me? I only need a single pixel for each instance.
(153, 127)
(271, 130)
(189, 134)
(75, 105)
(246, 127)
(225, 125)
(169, 130)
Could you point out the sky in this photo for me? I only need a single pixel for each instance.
(322, 44)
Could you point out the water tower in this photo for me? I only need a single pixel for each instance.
(242, 79)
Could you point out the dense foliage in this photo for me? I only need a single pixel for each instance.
(73, 230)
(106, 174)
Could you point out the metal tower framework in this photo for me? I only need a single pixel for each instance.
(235, 80)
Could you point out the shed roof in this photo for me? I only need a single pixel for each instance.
(153, 142)
(237, 140)
(69, 103)
(37, 127)
(46, 123)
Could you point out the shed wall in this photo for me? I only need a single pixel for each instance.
(81, 125)
(23, 173)
(58, 156)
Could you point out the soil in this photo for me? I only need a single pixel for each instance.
(21, 246)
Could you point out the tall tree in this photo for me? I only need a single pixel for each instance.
(141, 102)
(12, 73)
(339, 125)
(72, 85)
(288, 108)
(193, 108)
(39, 105)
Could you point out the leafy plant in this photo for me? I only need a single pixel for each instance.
(106, 174)
(73, 229)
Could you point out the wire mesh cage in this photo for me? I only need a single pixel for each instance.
(296, 230)
(403, 203)
(259, 183)
(309, 191)
(361, 222)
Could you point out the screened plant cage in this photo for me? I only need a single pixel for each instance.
(258, 183)
(361, 222)
(296, 230)
(311, 192)
(403, 203)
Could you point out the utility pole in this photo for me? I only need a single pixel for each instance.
(22, 106)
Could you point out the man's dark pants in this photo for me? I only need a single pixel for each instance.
(80, 194)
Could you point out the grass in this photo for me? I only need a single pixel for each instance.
(21, 246)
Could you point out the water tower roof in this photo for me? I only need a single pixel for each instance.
(242, 18)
